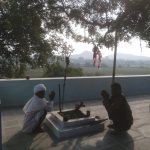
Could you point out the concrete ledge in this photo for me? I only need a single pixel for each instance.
(16, 92)
(77, 129)
(70, 123)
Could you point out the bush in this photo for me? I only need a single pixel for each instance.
(12, 71)
(72, 72)
(56, 70)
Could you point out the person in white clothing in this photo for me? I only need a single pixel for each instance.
(36, 109)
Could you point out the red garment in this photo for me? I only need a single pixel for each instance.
(96, 56)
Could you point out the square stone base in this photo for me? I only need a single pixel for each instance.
(72, 127)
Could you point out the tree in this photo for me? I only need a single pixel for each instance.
(31, 30)
(135, 19)
(111, 21)
(29, 33)
(102, 18)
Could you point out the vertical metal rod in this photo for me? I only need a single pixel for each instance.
(59, 98)
(115, 55)
(64, 85)
(65, 75)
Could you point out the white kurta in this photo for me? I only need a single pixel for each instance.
(34, 109)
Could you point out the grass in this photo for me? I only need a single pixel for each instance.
(35, 73)
(119, 71)
(92, 71)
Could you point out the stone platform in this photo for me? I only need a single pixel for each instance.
(137, 138)
(72, 127)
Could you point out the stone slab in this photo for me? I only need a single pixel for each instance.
(77, 130)
(70, 123)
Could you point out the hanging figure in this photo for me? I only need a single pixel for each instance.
(97, 56)
(94, 55)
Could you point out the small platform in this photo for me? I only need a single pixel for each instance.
(75, 126)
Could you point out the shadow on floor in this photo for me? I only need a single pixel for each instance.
(108, 142)
(112, 141)
(19, 141)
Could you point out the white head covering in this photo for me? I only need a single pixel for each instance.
(39, 87)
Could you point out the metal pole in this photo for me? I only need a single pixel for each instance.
(115, 55)
(59, 98)
(64, 85)
(65, 75)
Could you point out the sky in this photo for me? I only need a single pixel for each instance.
(132, 47)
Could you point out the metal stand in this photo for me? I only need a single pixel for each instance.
(115, 55)
(61, 101)
(65, 75)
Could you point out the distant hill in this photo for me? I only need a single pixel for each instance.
(121, 56)
(128, 57)
(85, 55)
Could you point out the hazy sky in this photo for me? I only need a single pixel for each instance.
(131, 47)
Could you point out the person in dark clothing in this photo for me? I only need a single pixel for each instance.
(117, 108)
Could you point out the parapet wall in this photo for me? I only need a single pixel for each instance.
(16, 92)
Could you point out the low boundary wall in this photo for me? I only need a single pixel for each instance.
(16, 92)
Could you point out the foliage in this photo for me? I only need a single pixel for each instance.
(57, 70)
(32, 30)
(54, 70)
(136, 18)
(105, 18)
(74, 72)
(29, 33)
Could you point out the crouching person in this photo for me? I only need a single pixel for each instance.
(36, 109)
(118, 109)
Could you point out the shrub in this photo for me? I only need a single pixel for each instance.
(56, 70)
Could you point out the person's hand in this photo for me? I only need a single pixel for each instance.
(51, 95)
(105, 95)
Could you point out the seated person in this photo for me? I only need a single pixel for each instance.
(36, 109)
(117, 108)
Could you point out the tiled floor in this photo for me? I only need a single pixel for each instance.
(137, 138)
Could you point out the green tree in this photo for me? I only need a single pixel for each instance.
(111, 21)
(30, 30)
(54, 70)
(102, 18)
(29, 33)
(135, 19)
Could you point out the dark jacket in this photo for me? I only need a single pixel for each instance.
(119, 112)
